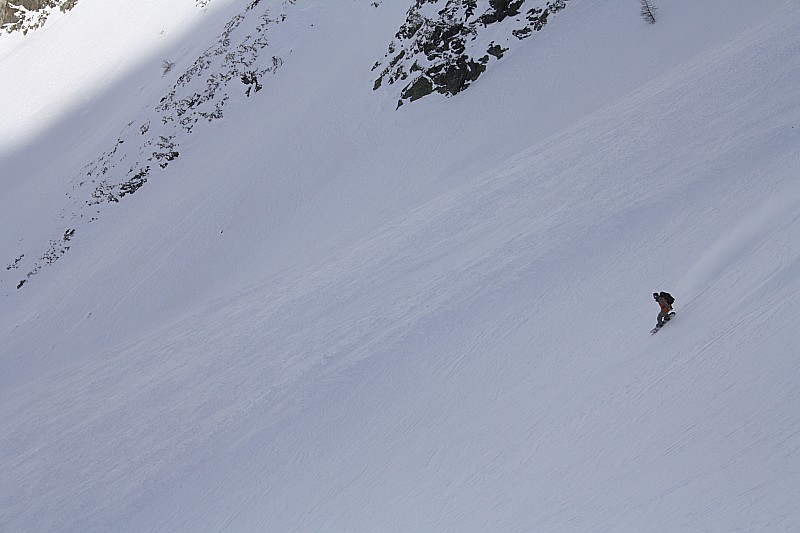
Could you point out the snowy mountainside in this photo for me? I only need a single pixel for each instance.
(329, 313)
(250, 47)
(232, 63)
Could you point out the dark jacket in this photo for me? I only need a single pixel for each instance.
(665, 306)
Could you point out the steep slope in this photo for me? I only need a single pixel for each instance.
(436, 318)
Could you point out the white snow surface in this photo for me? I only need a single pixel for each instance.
(331, 315)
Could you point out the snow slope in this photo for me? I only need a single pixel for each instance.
(331, 315)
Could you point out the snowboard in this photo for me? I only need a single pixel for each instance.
(670, 316)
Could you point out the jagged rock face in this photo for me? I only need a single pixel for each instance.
(25, 15)
(9, 14)
(441, 46)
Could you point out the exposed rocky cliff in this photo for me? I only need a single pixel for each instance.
(445, 45)
(26, 15)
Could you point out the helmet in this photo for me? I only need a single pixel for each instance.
(655, 296)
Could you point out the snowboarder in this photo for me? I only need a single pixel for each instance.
(665, 300)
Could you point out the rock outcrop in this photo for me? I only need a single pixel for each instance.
(443, 45)
(26, 15)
